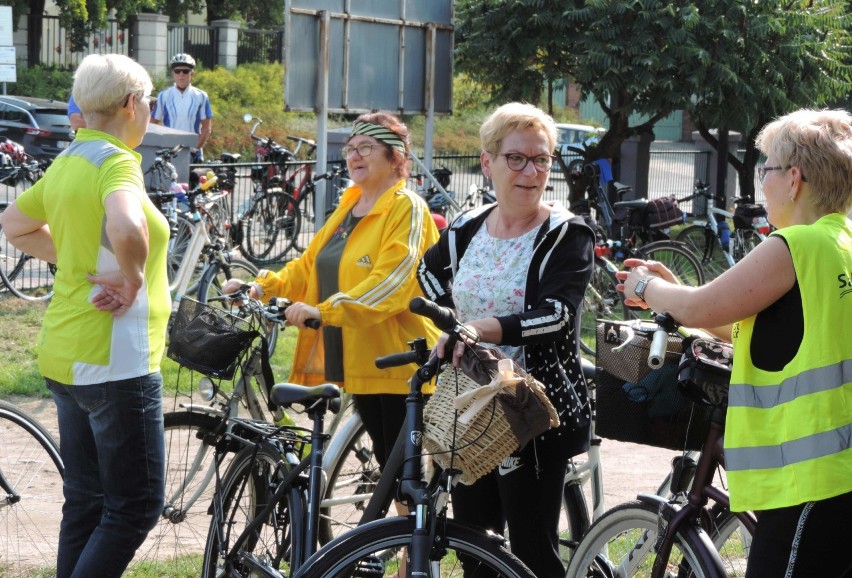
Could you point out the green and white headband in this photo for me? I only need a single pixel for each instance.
(380, 133)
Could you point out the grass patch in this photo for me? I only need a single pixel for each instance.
(20, 323)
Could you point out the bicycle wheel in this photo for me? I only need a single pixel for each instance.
(247, 487)
(351, 483)
(306, 197)
(31, 498)
(219, 221)
(731, 538)
(706, 246)
(24, 275)
(621, 543)
(177, 248)
(745, 240)
(365, 552)
(270, 228)
(177, 542)
(214, 278)
(601, 301)
(679, 258)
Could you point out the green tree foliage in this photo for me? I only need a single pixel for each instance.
(772, 57)
(732, 64)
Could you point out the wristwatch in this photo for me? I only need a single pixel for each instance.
(641, 286)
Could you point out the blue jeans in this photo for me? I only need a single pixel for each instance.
(112, 443)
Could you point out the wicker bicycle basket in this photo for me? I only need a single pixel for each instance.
(477, 445)
(209, 339)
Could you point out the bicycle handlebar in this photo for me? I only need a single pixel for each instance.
(444, 318)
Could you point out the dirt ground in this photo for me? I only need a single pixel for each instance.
(627, 468)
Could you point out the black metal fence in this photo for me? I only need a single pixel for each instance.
(262, 46)
(53, 50)
(201, 42)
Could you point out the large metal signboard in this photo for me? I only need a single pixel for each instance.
(394, 55)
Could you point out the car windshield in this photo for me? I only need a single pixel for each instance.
(57, 117)
(574, 135)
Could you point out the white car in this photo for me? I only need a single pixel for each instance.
(577, 136)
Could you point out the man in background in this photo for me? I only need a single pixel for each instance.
(185, 107)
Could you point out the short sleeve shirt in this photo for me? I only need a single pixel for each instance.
(79, 344)
(183, 110)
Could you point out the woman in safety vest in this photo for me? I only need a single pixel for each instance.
(787, 307)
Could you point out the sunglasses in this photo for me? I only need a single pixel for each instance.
(182, 70)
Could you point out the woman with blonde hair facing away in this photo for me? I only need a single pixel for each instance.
(515, 272)
(103, 334)
(787, 306)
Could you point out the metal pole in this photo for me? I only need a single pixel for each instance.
(431, 35)
(322, 117)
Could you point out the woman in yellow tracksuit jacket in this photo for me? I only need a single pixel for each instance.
(357, 277)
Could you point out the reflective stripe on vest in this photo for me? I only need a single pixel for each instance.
(787, 453)
(807, 382)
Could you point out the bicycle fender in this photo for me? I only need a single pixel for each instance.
(692, 532)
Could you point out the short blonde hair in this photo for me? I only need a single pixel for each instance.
(102, 83)
(819, 142)
(512, 117)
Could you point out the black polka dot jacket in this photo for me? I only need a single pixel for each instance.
(560, 270)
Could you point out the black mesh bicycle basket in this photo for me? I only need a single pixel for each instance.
(209, 339)
(638, 404)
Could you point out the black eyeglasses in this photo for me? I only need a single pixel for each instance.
(518, 162)
(363, 149)
(182, 70)
(761, 171)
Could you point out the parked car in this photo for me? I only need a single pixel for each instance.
(575, 136)
(40, 125)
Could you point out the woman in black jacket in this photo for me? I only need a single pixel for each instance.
(515, 272)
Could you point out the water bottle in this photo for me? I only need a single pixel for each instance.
(724, 234)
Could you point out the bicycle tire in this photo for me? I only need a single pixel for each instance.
(30, 463)
(363, 552)
(246, 489)
(219, 221)
(575, 521)
(216, 274)
(679, 258)
(602, 300)
(706, 246)
(354, 474)
(179, 537)
(307, 200)
(23, 275)
(623, 539)
(270, 228)
(178, 245)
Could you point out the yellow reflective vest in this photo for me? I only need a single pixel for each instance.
(788, 437)
(377, 281)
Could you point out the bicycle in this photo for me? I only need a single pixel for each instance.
(713, 242)
(31, 473)
(270, 221)
(275, 539)
(684, 536)
(22, 274)
(191, 429)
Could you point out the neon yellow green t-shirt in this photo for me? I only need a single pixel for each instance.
(79, 344)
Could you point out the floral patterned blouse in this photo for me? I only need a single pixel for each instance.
(491, 279)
